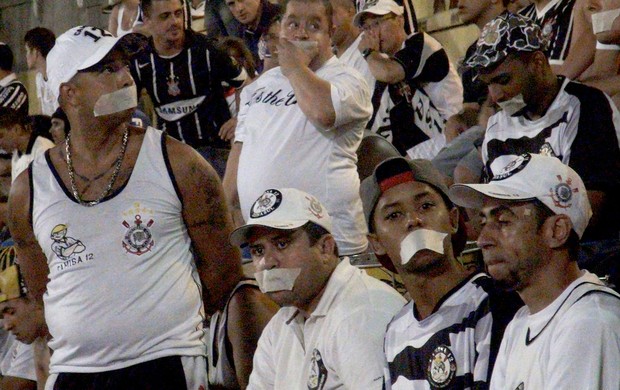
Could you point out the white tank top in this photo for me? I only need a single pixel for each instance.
(220, 365)
(123, 286)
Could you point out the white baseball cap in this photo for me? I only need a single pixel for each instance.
(528, 177)
(284, 209)
(77, 49)
(378, 7)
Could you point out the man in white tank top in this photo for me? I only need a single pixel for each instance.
(121, 233)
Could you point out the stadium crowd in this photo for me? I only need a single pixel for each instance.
(300, 151)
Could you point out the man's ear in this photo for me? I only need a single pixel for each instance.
(327, 244)
(375, 244)
(454, 219)
(557, 230)
(67, 93)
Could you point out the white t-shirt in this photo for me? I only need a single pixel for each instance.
(282, 148)
(574, 343)
(338, 347)
(20, 163)
(18, 361)
(353, 58)
(49, 103)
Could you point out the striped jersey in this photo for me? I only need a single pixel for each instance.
(556, 21)
(413, 116)
(13, 94)
(453, 348)
(581, 128)
(187, 89)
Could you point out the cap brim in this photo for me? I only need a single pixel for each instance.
(239, 236)
(129, 43)
(357, 18)
(472, 195)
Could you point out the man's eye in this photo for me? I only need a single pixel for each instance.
(256, 252)
(427, 205)
(393, 215)
(282, 244)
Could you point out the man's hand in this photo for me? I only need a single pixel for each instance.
(227, 131)
(292, 57)
(370, 40)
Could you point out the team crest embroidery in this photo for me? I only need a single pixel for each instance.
(513, 167)
(266, 204)
(562, 193)
(173, 85)
(318, 372)
(441, 367)
(138, 238)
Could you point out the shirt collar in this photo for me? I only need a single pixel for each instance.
(5, 81)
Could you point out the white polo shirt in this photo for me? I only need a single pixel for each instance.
(338, 347)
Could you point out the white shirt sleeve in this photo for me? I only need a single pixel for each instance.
(19, 362)
(263, 371)
(350, 98)
(244, 98)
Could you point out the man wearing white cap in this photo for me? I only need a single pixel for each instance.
(424, 86)
(121, 232)
(534, 212)
(329, 332)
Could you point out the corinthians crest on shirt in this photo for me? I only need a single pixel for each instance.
(441, 367)
(138, 237)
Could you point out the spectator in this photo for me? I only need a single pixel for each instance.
(254, 17)
(23, 317)
(448, 335)
(329, 331)
(60, 126)
(535, 210)
(13, 93)
(18, 135)
(605, 75)
(162, 265)
(39, 41)
(267, 45)
(346, 39)
(423, 85)
(183, 74)
(571, 43)
(219, 21)
(543, 113)
(309, 114)
(234, 333)
(126, 17)
(478, 12)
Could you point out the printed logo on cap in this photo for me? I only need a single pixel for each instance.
(370, 3)
(94, 33)
(315, 207)
(441, 367)
(562, 193)
(514, 167)
(268, 202)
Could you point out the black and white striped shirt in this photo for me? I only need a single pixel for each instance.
(13, 94)
(455, 347)
(187, 89)
(556, 22)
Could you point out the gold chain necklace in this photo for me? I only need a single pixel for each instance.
(117, 169)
